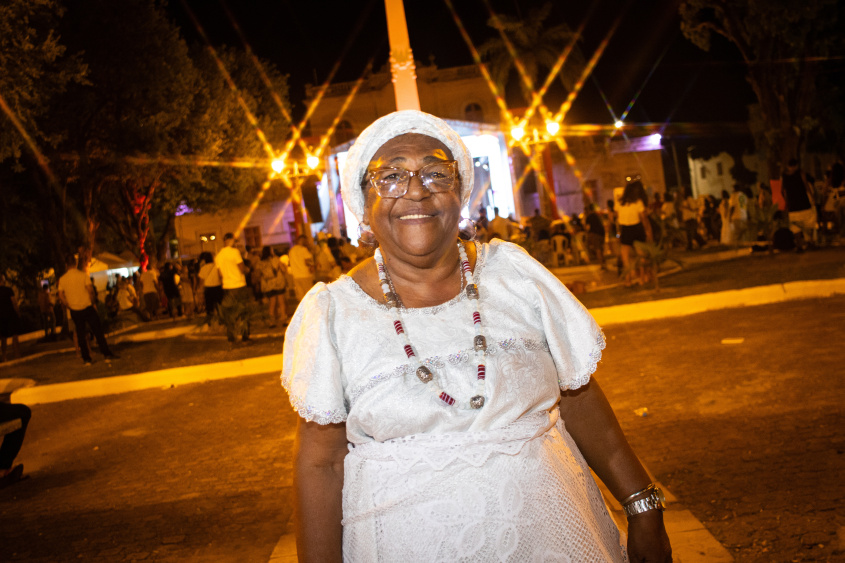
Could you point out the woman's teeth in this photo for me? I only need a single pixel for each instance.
(406, 217)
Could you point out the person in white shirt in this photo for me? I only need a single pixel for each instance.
(301, 266)
(150, 288)
(634, 225)
(232, 270)
(230, 264)
(127, 299)
(209, 280)
(689, 213)
(77, 295)
(499, 227)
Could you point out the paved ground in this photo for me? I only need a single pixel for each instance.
(748, 436)
(194, 473)
(56, 362)
(751, 436)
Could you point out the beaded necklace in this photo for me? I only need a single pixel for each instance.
(479, 343)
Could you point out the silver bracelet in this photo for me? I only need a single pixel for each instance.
(631, 497)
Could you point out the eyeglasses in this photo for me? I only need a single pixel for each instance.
(437, 177)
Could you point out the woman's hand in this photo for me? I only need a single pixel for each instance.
(647, 538)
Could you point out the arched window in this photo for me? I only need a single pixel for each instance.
(473, 112)
(343, 132)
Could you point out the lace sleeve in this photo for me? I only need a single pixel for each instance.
(311, 368)
(574, 338)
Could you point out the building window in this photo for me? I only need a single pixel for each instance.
(703, 172)
(252, 237)
(719, 168)
(473, 112)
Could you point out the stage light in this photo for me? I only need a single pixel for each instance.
(313, 162)
(278, 165)
(552, 127)
(618, 124)
(517, 133)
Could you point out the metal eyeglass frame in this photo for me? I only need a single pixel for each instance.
(411, 173)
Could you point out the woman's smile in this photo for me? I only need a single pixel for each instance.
(414, 216)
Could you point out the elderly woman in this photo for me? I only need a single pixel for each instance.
(448, 411)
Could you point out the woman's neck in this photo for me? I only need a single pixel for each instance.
(418, 286)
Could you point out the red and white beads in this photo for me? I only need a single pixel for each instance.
(479, 343)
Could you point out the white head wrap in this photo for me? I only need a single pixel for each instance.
(386, 128)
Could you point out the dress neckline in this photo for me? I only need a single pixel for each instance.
(481, 255)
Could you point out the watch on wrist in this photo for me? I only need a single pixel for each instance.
(654, 501)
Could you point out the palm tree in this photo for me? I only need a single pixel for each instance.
(537, 47)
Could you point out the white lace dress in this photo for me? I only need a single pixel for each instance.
(429, 482)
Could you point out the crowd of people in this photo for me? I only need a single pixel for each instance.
(273, 277)
(802, 213)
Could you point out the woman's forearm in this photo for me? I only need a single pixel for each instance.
(318, 491)
(592, 424)
(318, 514)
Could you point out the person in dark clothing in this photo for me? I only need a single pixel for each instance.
(170, 284)
(595, 235)
(12, 443)
(797, 192)
(9, 318)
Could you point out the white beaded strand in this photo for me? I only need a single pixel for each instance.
(479, 342)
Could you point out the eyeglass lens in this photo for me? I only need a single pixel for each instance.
(393, 182)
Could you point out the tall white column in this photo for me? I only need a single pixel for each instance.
(402, 65)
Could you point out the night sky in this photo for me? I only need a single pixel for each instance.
(305, 39)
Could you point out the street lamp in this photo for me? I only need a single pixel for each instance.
(536, 143)
(294, 175)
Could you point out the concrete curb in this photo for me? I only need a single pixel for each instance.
(682, 306)
(156, 334)
(160, 378)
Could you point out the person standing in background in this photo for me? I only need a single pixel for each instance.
(170, 281)
(77, 294)
(46, 308)
(233, 271)
(738, 214)
(150, 290)
(595, 235)
(212, 288)
(273, 285)
(9, 317)
(301, 266)
(799, 203)
(499, 227)
(634, 225)
(689, 215)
